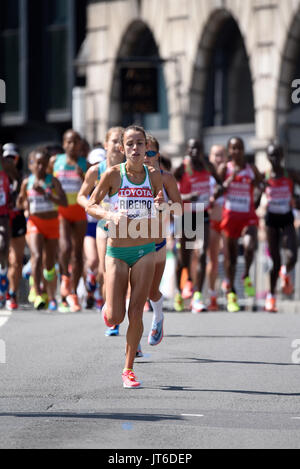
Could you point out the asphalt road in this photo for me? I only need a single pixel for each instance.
(217, 380)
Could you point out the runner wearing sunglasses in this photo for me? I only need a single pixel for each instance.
(171, 194)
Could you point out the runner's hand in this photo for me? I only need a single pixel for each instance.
(39, 188)
(118, 217)
(160, 202)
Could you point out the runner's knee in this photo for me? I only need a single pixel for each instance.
(3, 240)
(114, 316)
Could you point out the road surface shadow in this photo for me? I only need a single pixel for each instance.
(224, 336)
(229, 391)
(208, 361)
(94, 416)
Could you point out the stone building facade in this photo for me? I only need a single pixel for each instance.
(226, 67)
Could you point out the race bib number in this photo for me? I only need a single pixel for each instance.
(279, 200)
(39, 204)
(204, 199)
(137, 208)
(71, 186)
(70, 181)
(279, 207)
(238, 203)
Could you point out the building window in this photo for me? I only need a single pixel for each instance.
(145, 97)
(57, 39)
(229, 95)
(10, 54)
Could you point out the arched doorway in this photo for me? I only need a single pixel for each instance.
(288, 114)
(138, 91)
(222, 84)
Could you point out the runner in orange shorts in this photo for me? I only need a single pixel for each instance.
(70, 168)
(239, 215)
(40, 194)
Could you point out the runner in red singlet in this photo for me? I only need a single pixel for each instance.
(239, 215)
(279, 220)
(193, 177)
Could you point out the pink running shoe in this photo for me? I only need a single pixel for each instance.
(287, 286)
(129, 379)
(187, 291)
(73, 302)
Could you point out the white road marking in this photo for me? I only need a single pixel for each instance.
(295, 418)
(192, 415)
(4, 317)
(3, 321)
(5, 313)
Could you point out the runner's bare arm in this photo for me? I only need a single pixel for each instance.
(87, 186)
(259, 177)
(22, 201)
(110, 181)
(171, 187)
(210, 167)
(51, 164)
(179, 172)
(59, 198)
(222, 172)
(157, 184)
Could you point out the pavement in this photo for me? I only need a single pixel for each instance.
(217, 380)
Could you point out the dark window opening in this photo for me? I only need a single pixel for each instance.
(142, 85)
(10, 54)
(229, 94)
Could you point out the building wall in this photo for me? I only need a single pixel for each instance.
(38, 44)
(185, 31)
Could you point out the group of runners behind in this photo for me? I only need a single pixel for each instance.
(104, 220)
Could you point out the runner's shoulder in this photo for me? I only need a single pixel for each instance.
(112, 173)
(92, 171)
(166, 175)
(154, 173)
(25, 181)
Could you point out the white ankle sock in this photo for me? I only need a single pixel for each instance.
(157, 309)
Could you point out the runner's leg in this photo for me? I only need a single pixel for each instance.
(16, 255)
(273, 237)
(51, 246)
(231, 249)
(36, 244)
(91, 264)
(156, 298)
(78, 230)
(65, 246)
(290, 244)
(117, 273)
(101, 240)
(250, 241)
(213, 252)
(140, 274)
(201, 270)
(4, 249)
(160, 263)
